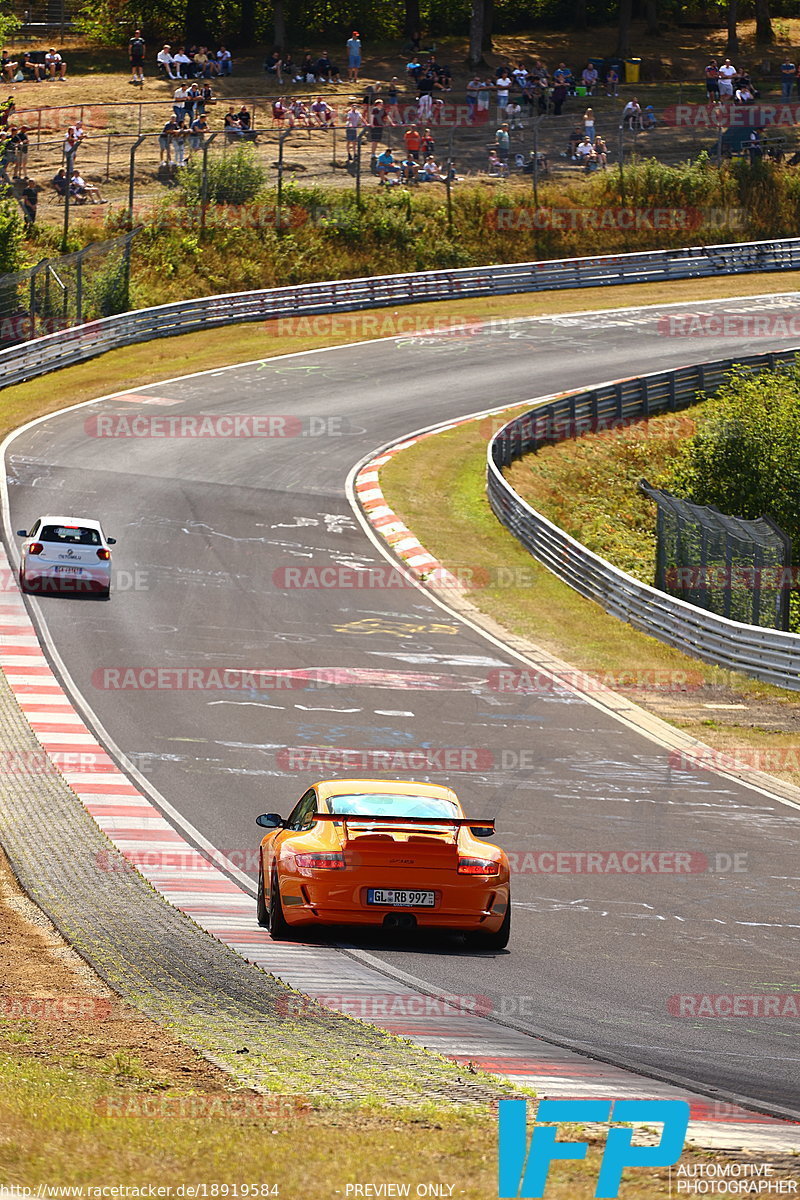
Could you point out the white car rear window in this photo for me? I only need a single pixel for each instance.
(71, 535)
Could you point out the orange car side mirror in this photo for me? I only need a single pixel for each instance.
(481, 831)
(270, 820)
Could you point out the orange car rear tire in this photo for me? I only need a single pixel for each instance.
(262, 914)
(279, 929)
(494, 941)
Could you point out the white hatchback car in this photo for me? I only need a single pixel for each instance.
(66, 554)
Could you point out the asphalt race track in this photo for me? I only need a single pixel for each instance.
(211, 525)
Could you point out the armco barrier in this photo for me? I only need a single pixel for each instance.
(767, 654)
(85, 341)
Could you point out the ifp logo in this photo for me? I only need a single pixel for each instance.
(523, 1169)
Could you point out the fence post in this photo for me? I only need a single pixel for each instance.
(79, 290)
(108, 159)
(362, 134)
(70, 157)
(134, 148)
(204, 180)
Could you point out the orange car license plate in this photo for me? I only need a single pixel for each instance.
(404, 897)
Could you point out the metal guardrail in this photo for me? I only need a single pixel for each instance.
(111, 333)
(767, 654)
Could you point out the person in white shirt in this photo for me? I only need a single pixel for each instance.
(180, 61)
(353, 120)
(727, 74)
(54, 65)
(514, 115)
(224, 61)
(164, 60)
(632, 114)
(502, 84)
(584, 152)
(73, 138)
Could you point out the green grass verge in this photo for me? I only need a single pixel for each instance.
(438, 488)
(89, 1122)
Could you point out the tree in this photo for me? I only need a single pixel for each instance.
(278, 21)
(764, 33)
(745, 456)
(412, 22)
(624, 28)
(488, 23)
(651, 17)
(247, 22)
(579, 20)
(476, 19)
(732, 46)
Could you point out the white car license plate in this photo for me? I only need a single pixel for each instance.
(402, 897)
(69, 570)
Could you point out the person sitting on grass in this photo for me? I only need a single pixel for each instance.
(496, 164)
(181, 63)
(54, 65)
(233, 130)
(586, 155)
(326, 71)
(245, 119)
(164, 60)
(27, 68)
(601, 151)
(8, 66)
(386, 167)
(298, 114)
(274, 66)
(409, 170)
(321, 114)
(632, 115)
(60, 182)
(224, 61)
(429, 171)
(81, 191)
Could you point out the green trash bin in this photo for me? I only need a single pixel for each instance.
(632, 66)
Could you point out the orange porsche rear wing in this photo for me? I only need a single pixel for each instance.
(365, 818)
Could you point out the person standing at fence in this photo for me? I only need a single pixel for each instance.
(353, 56)
(30, 200)
(21, 147)
(378, 119)
(712, 81)
(136, 51)
(179, 143)
(788, 72)
(165, 141)
(72, 140)
(198, 130)
(588, 124)
(502, 85)
(181, 100)
(727, 74)
(353, 120)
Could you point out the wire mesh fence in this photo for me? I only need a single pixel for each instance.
(70, 290)
(736, 568)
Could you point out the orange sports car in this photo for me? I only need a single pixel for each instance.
(370, 852)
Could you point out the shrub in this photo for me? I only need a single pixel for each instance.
(234, 178)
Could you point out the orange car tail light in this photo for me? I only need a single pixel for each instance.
(35, 548)
(324, 861)
(104, 554)
(478, 866)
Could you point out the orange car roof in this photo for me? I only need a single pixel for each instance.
(386, 787)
